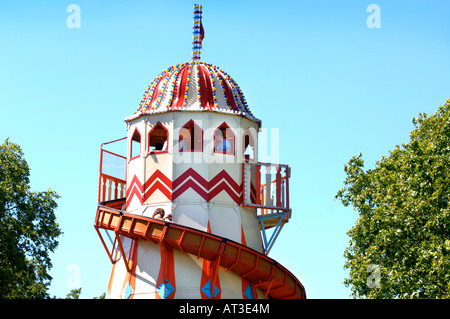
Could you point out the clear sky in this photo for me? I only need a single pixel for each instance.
(314, 70)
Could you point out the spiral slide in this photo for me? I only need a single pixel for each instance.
(263, 272)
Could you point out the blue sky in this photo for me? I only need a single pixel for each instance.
(312, 69)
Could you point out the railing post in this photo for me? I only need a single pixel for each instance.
(258, 184)
(116, 186)
(278, 185)
(100, 173)
(103, 188)
(122, 189)
(288, 175)
(268, 185)
(109, 188)
(247, 176)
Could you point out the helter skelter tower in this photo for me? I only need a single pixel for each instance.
(189, 212)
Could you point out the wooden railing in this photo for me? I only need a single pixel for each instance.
(110, 188)
(266, 186)
(267, 195)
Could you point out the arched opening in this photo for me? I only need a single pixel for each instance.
(135, 145)
(224, 139)
(158, 139)
(190, 138)
(249, 145)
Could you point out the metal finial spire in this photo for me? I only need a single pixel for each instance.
(198, 33)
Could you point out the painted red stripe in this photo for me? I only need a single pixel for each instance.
(158, 186)
(224, 175)
(158, 89)
(164, 184)
(224, 187)
(135, 192)
(210, 90)
(190, 184)
(175, 90)
(167, 262)
(190, 173)
(189, 179)
(158, 175)
(132, 276)
(208, 269)
(205, 88)
(228, 93)
(135, 189)
(135, 182)
(181, 88)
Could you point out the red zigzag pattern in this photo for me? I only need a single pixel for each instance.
(189, 179)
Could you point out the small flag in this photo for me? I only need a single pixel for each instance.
(202, 34)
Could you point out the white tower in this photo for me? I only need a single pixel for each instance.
(189, 219)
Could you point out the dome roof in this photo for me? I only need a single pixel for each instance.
(194, 86)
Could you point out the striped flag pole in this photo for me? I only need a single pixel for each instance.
(198, 33)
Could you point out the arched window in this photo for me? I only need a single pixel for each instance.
(190, 138)
(135, 145)
(224, 139)
(249, 145)
(157, 139)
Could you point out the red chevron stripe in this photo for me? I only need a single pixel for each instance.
(135, 192)
(161, 187)
(224, 187)
(135, 183)
(135, 189)
(224, 175)
(190, 173)
(158, 175)
(191, 184)
(189, 179)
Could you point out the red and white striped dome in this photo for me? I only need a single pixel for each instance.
(194, 86)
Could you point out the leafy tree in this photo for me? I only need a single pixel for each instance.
(400, 244)
(74, 294)
(102, 296)
(28, 229)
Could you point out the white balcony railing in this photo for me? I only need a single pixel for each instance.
(266, 188)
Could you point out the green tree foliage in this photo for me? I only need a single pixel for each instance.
(400, 244)
(102, 296)
(74, 294)
(28, 229)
